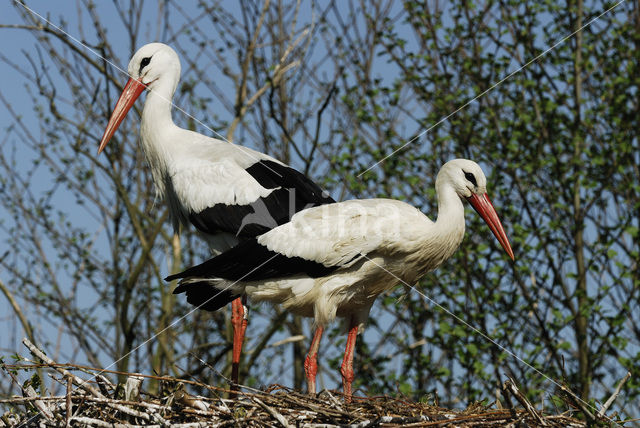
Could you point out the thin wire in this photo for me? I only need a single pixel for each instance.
(495, 85)
(480, 332)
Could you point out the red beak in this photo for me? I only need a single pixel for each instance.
(484, 207)
(130, 94)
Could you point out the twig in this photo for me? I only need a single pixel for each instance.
(180, 396)
(42, 407)
(615, 394)
(277, 416)
(78, 381)
(132, 388)
(331, 412)
(121, 406)
(576, 402)
(16, 308)
(81, 382)
(289, 339)
(20, 400)
(160, 419)
(104, 384)
(89, 369)
(513, 389)
(68, 402)
(334, 401)
(85, 421)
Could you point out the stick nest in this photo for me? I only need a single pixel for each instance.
(95, 401)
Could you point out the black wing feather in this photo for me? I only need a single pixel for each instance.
(294, 192)
(203, 295)
(251, 261)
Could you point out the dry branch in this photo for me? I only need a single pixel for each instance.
(42, 407)
(26, 325)
(511, 387)
(78, 381)
(577, 402)
(277, 416)
(615, 394)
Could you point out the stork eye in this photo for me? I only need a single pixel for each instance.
(469, 176)
(144, 63)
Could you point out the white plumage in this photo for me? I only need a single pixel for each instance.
(334, 260)
(194, 172)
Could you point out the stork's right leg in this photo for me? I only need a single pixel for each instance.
(239, 323)
(311, 362)
(347, 363)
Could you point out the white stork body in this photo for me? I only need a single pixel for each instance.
(375, 242)
(334, 260)
(229, 193)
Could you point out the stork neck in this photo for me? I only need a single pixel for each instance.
(156, 131)
(450, 221)
(437, 241)
(157, 108)
(157, 125)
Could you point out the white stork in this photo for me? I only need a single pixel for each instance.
(334, 260)
(229, 193)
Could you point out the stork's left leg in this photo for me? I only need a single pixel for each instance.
(347, 363)
(239, 322)
(311, 362)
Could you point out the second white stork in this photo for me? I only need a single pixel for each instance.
(334, 260)
(228, 192)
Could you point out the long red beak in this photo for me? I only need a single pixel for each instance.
(130, 94)
(484, 207)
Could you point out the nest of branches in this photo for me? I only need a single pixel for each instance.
(98, 402)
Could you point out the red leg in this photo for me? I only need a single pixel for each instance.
(311, 362)
(347, 363)
(239, 323)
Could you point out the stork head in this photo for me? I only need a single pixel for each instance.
(154, 66)
(154, 62)
(469, 182)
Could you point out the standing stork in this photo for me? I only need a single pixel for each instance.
(334, 260)
(228, 192)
